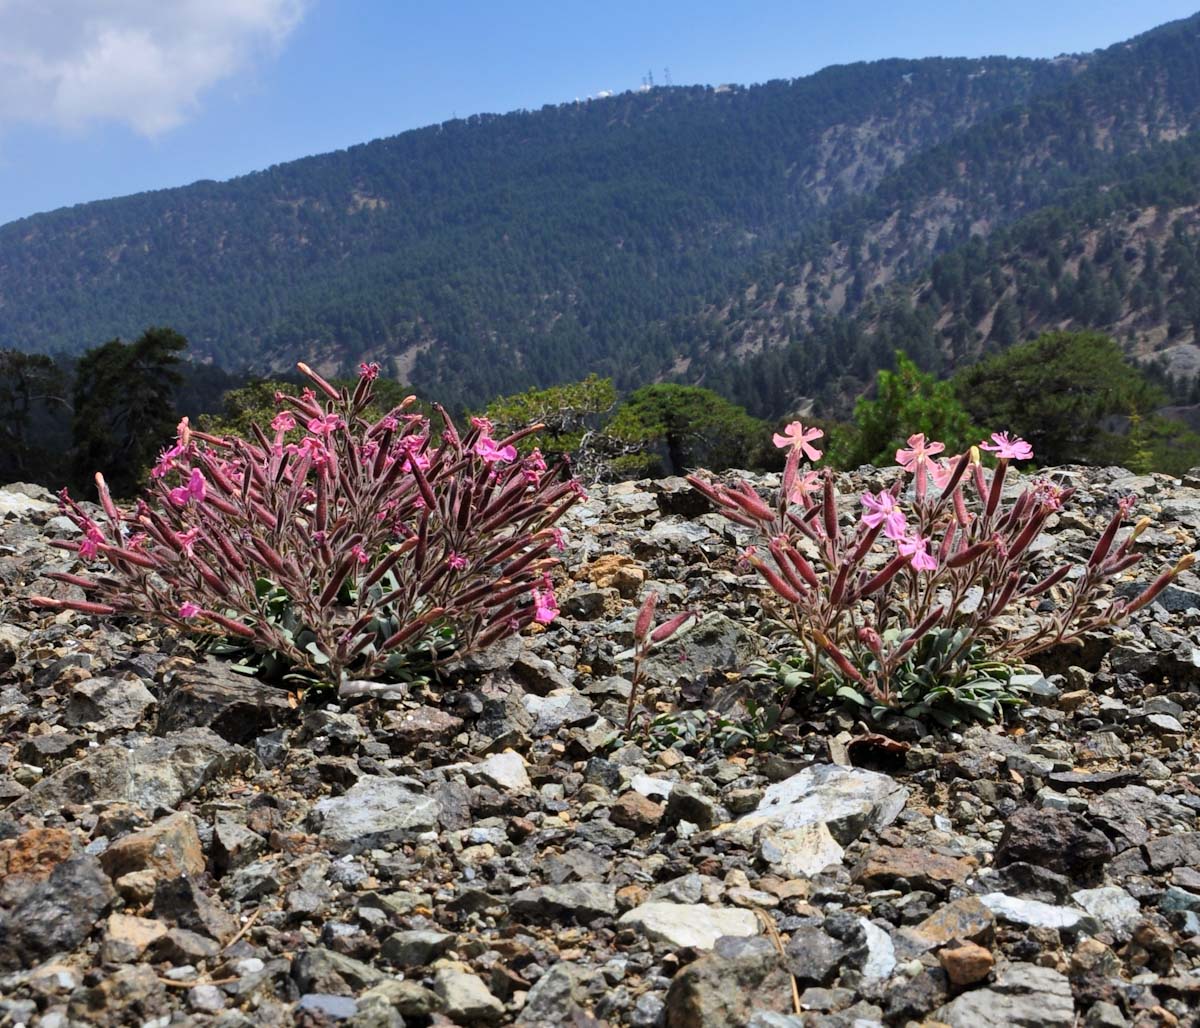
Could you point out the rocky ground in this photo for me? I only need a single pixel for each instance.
(183, 845)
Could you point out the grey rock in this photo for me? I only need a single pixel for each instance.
(337, 1008)
(415, 948)
(1024, 996)
(56, 915)
(880, 959)
(582, 901)
(813, 956)
(1056, 839)
(238, 708)
(372, 813)
(234, 846)
(120, 701)
(156, 773)
(725, 992)
(688, 803)
(1172, 850)
(464, 997)
(846, 800)
(556, 998)
(323, 971)
(557, 709)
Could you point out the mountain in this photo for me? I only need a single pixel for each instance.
(791, 230)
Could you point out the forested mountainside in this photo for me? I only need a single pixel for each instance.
(1119, 252)
(675, 232)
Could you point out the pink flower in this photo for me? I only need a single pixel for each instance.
(359, 553)
(187, 540)
(88, 544)
(188, 609)
(804, 485)
(483, 424)
(560, 540)
(799, 438)
(1008, 448)
(326, 425)
(388, 423)
(919, 452)
(533, 467)
(917, 547)
(486, 448)
(882, 509)
(545, 604)
(283, 422)
(368, 371)
(456, 561)
(1048, 495)
(941, 470)
(194, 490)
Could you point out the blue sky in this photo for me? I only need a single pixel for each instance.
(103, 98)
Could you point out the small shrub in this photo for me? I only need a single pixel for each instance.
(367, 549)
(925, 600)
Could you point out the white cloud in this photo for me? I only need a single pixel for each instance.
(144, 63)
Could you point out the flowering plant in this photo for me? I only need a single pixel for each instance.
(929, 593)
(342, 554)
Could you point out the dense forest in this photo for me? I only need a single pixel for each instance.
(772, 242)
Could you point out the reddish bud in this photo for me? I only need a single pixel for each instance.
(645, 617)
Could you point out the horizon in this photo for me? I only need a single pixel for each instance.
(275, 90)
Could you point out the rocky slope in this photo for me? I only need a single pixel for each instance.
(181, 845)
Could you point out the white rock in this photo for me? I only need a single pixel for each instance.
(690, 924)
(20, 505)
(881, 954)
(1111, 905)
(650, 786)
(847, 800)
(799, 852)
(504, 771)
(1032, 913)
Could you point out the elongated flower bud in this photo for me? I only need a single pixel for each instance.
(1150, 593)
(886, 575)
(801, 564)
(775, 581)
(389, 562)
(793, 576)
(231, 626)
(412, 628)
(118, 553)
(829, 508)
(106, 502)
(1051, 580)
(668, 628)
(752, 503)
(993, 498)
(422, 485)
(329, 593)
(972, 552)
(83, 606)
(321, 384)
(843, 662)
(645, 617)
(1100, 551)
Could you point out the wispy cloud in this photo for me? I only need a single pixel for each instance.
(143, 63)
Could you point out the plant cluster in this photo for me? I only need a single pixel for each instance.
(366, 548)
(927, 596)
